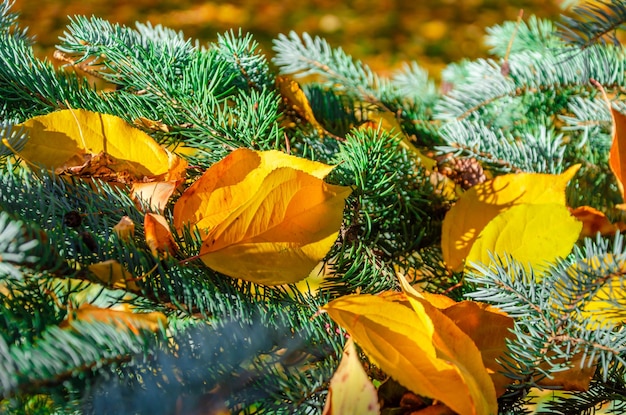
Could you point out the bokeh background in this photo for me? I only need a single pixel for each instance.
(382, 33)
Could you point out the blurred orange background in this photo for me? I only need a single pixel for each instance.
(382, 33)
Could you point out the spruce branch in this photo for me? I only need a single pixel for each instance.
(593, 23)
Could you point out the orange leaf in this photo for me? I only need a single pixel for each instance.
(617, 155)
(267, 217)
(351, 392)
(124, 319)
(593, 221)
(125, 228)
(158, 235)
(231, 182)
(156, 194)
(576, 378)
(488, 328)
(420, 347)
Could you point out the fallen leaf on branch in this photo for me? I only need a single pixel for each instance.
(534, 235)
(295, 100)
(351, 392)
(231, 182)
(113, 274)
(158, 235)
(593, 222)
(122, 318)
(103, 146)
(267, 217)
(617, 155)
(420, 347)
(483, 202)
(155, 194)
(125, 228)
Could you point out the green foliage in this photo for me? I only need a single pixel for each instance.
(231, 344)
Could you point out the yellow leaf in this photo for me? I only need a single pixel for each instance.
(97, 145)
(488, 328)
(124, 319)
(232, 182)
(287, 225)
(158, 235)
(125, 228)
(420, 347)
(605, 309)
(155, 194)
(617, 155)
(483, 202)
(295, 100)
(534, 235)
(351, 392)
(113, 274)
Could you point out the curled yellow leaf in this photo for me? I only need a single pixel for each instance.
(420, 347)
(267, 217)
(99, 146)
(351, 392)
(281, 234)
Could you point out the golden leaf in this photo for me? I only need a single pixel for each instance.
(125, 228)
(113, 274)
(483, 202)
(351, 392)
(155, 194)
(420, 347)
(231, 182)
(487, 326)
(281, 234)
(267, 217)
(295, 100)
(158, 235)
(617, 155)
(97, 145)
(124, 319)
(534, 235)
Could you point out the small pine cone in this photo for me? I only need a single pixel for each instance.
(470, 172)
(466, 172)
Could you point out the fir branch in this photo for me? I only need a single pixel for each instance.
(541, 152)
(534, 34)
(62, 355)
(8, 22)
(249, 66)
(314, 56)
(530, 73)
(593, 23)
